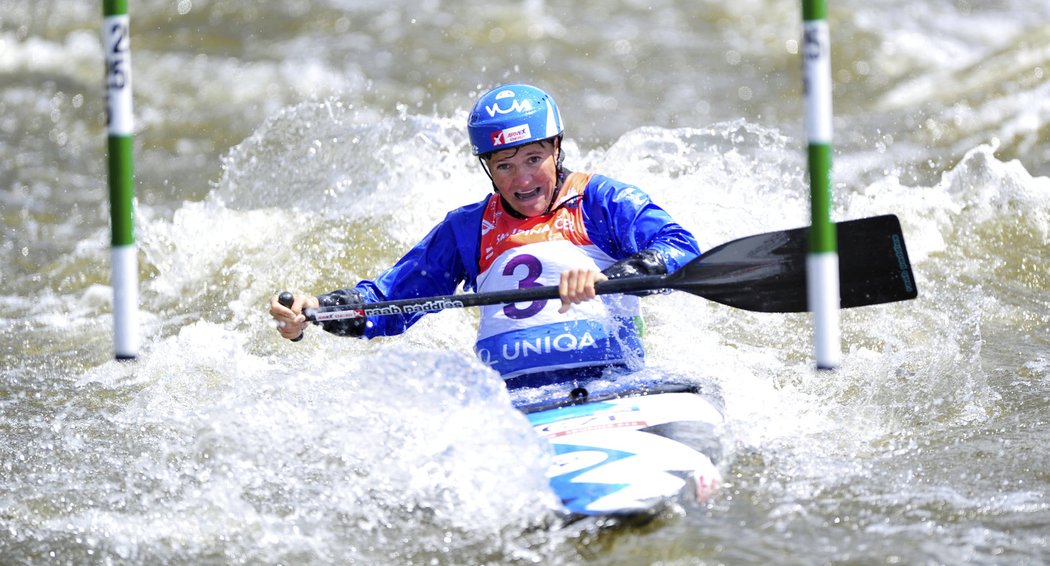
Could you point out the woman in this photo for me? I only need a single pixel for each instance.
(543, 225)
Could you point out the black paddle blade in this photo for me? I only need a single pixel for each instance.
(767, 272)
(873, 263)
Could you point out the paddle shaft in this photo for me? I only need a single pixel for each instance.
(761, 273)
(440, 303)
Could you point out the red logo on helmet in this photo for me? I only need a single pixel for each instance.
(511, 135)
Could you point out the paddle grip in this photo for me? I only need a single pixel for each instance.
(286, 299)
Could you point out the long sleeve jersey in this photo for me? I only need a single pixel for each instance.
(622, 232)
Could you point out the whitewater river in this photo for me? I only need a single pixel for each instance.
(306, 144)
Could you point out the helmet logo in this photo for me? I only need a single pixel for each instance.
(511, 135)
(519, 106)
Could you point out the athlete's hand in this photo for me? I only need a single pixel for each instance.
(290, 320)
(577, 285)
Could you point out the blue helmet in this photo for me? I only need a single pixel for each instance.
(512, 115)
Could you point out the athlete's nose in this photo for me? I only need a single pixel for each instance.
(522, 179)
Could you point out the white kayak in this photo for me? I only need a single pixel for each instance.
(629, 453)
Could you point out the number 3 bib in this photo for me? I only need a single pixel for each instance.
(529, 337)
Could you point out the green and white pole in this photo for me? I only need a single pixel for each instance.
(116, 40)
(822, 263)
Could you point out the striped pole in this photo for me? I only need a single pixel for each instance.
(116, 40)
(822, 263)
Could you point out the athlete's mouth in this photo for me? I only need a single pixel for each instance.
(528, 195)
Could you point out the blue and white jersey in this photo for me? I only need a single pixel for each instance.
(481, 247)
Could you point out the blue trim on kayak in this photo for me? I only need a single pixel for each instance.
(576, 496)
(570, 412)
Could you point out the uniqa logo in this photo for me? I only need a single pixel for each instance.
(546, 345)
(516, 105)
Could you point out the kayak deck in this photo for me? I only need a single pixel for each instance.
(630, 452)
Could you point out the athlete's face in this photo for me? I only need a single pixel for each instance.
(526, 176)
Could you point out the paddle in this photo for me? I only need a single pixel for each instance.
(761, 273)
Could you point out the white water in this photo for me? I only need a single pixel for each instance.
(269, 158)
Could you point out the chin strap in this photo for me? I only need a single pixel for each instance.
(562, 173)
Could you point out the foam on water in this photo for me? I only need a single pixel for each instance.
(225, 443)
(392, 451)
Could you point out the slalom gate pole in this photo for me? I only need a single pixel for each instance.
(822, 264)
(116, 42)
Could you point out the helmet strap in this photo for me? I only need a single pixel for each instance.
(559, 173)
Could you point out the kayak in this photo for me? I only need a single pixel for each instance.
(627, 454)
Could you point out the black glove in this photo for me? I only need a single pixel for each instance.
(346, 326)
(645, 262)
